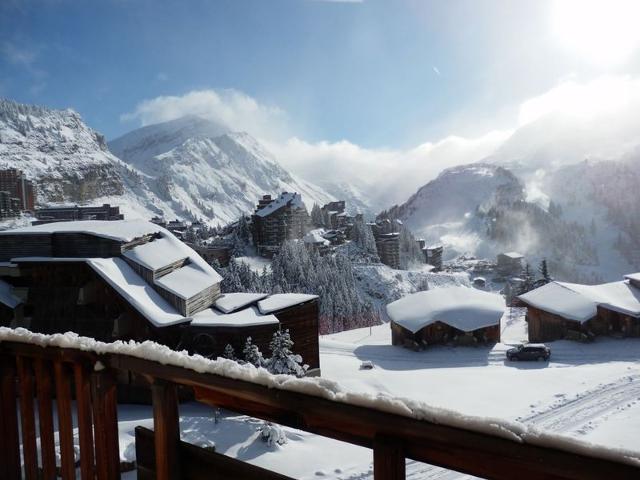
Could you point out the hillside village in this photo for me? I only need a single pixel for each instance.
(300, 283)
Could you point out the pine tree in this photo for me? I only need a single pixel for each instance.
(283, 360)
(544, 271)
(316, 216)
(252, 354)
(229, 353)
(527, 280)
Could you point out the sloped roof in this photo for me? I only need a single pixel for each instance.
(464, 308)
(156, 254)
(280, 301)
(117, 273)
(230, 302)
(187, 281)
(119, 230)
(579, 302)
(281, 201)
(249, 317)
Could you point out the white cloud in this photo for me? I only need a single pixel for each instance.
(236, 110)
(436, 70)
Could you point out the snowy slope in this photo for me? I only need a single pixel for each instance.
(444, 209)
(217, 176)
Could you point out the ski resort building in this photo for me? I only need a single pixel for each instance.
(433, 256)
(123, 280)
(277, 220)
(387, 240)
(17, 193)
(459, 315)
(579, 312)
(67, 214)
(509, 263)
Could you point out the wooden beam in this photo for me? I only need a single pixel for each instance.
(10, 451)
(85, 424)
(105, 424)
(65, 421)
(44, 389)
(166, 424)
(27, 419)
(388, 459)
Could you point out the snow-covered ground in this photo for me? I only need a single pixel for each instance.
(587, 391)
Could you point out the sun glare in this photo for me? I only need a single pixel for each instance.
(605, 32)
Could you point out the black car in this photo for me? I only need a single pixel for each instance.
(530, 351)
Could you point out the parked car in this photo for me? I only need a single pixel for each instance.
(530, 351)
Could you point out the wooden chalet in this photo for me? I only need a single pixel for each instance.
(277, 220)
(457, 315)
(433, 256)
(560, 310)
(122, 280)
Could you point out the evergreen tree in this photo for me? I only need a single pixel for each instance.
(316, 216)
(544, 271)
(283, 360)
(229, 353)
(252, 354)
(528, 283)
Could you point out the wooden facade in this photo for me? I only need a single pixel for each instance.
(440, 333)
(546, 326)
(302, 322)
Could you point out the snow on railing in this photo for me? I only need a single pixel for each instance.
(327, 389)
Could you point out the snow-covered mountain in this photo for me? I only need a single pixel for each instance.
(444, 210)
(70, 161)
(192, 164)
(187, 168)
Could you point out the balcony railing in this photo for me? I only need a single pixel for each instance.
(33, 376)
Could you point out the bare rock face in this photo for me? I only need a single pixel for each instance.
(69, 161)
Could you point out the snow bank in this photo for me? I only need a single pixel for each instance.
(466, 309)
(280, 301)
(330, 390)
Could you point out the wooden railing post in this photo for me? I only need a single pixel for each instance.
(10, 452)
(105, 425)
(85, 425)
(166, 425)
(65, 421)
(44, 389)
(27, 419)
(388, 459)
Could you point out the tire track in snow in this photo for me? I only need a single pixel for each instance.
(581, 412)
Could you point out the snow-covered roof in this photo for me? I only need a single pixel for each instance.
(249, 317)
(633, 276)
(316, 236)
(117, 273)
(187, 281)
(513, 255)
(119, 230)
(580, 302)
(281, 201)
(464, 308)
(6, 297)
(230, 302)
(280, 301)
(157, 254)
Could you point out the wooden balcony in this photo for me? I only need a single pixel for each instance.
(34, 375)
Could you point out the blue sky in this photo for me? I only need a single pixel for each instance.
(376, 73)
